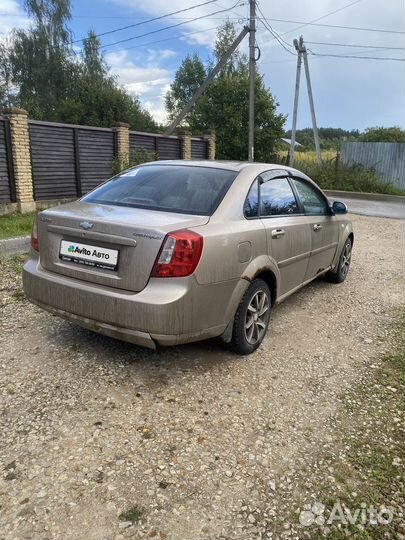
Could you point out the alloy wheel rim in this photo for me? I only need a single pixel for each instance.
(257, 317)
(346, 256)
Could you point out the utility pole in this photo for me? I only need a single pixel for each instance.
(312, 107)
(252, 78)
(302, 53)
(187, 108)
(296, 96)
(251, 30)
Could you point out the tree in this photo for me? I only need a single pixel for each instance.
(224, 105)
(39, 58)
(94, 65)
(330, 138)
(187, 80)
(95, 98)
(40, 72)
(5, 75)
(382, 134)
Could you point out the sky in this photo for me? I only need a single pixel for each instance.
(350, 93)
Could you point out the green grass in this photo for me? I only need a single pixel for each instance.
(16, 225)
(133, 514)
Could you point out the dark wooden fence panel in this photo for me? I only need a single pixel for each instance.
(141, 141)
(164, 147)
(199, 149)
(96, 156)
(168, 148)
(6, 192)
(69, 160)
(53, 161)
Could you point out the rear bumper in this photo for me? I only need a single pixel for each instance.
(125, 334)
(166, 312)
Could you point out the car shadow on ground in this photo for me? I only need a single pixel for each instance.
(209, 355)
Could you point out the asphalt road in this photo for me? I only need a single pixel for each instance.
(390, 208)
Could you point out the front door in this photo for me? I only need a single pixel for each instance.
(324, 229)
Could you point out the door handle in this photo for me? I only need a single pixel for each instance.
(317, 227)
(276, 233)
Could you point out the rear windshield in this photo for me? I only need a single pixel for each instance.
(183, 189)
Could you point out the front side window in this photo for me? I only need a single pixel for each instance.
(312, 200)
(277, 198)
(183, 189)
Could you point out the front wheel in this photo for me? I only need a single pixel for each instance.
(340, 273)
(252, 318)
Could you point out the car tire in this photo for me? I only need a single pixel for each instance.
(340, 273)
(252, 318)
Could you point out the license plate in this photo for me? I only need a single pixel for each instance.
(95, 256)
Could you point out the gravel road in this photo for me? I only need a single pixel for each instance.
(200, 444)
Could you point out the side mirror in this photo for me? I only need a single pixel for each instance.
(339, 207)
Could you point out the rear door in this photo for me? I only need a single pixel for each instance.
(324, 228)
(288, 232)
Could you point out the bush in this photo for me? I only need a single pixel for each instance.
(329, 175)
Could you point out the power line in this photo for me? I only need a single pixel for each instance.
(359, 57)
(171, 26)
(149, 20)
(274, 33)
(276, 37)
(323, 17)
(337, 26)
(179, 36)
(356, 46)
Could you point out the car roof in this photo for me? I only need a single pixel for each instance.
(220, 164)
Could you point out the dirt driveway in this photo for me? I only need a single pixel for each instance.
(102, 440)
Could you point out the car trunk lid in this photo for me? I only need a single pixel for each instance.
(86, 231)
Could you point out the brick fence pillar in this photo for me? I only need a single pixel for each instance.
(185, 136)
(210, 138)
(21, 153)
(122, 134)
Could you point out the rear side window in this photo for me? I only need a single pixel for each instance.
(277, 198)
(251, 208)
(182, 189)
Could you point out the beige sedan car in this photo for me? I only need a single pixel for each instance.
(179, 251)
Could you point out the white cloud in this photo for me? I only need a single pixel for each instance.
(150, 83)
(214, 15)
(160, 54)
(12, 16)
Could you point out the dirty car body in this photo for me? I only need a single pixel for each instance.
(167, 252)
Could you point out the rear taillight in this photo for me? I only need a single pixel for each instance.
(34, 234)
(179, 254)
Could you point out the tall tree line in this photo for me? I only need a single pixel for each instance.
(40, 72)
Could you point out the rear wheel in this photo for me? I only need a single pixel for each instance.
(252, 318)
(340, 273)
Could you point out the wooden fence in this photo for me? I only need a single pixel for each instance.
(7, 186)
(68, 161)
(55, 161)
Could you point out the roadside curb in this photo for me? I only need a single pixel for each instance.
(15, 246)
(365, 196)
